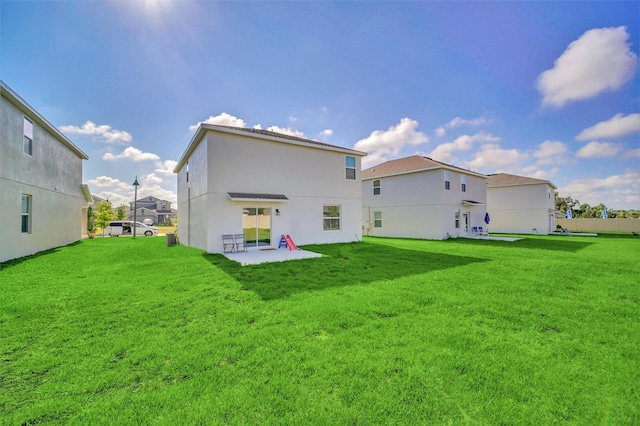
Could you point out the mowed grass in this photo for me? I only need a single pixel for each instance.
(388, 331)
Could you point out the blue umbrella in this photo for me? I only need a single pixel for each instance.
(487, 219)
(568, 214)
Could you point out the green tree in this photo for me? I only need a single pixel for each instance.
(104, 214)
(91, 218)
(120, 213)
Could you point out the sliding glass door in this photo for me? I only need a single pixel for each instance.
(256, 225)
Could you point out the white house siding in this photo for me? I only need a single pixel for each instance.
(521, 209)
(309, 177)
(52, 176)
(416, 205)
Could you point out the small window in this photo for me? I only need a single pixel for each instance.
(26, 214)
(377, 219)
(463, 179)
(187, 172)
(141, 211)
(457, 219)
(331, 218)
(350, 163)
(27, 139)
(376, 187)
(447, 180)
(164, 206)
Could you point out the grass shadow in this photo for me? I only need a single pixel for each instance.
(528, 242)
(15, 262)
(341, 265)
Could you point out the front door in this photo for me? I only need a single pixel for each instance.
(466, 223)
(256, 226)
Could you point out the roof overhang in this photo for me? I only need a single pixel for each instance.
(88, 199)
(250, 196)
(471, 203)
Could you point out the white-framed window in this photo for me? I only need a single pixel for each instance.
(350, 165)
(447, 180)
(376, 187)
(27, 138)
(187, 172)
(331, 217)
(463, 181)
(26, 214)
(377, 219)
(457, 219)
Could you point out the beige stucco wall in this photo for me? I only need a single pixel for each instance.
(601, 225)
(309, 177)
(416, 205)
(522, 209)
(52, 176)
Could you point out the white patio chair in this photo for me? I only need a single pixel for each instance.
(239, 239)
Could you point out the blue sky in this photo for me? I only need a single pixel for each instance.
(541, 89)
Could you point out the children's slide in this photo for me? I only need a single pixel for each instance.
(290, 242)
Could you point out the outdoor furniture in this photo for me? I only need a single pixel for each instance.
(481, 231)
(474, 230)
(228, 243)
(239, 240)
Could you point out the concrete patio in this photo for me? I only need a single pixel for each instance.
(257, 256)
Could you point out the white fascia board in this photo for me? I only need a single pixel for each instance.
(28, 110)
(428, 169)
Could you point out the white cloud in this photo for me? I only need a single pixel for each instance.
(222, 119)
(285, 131)
(550, 152)
(382, 145)
(457, 122)
(131, 153)
(107, 182)
(597, 149)
(618, 191)
(292, 119)
(599, 61)
(103, 131)
(634, 153)
(440, 131)
(444, 151)
(165, 167)
(491, 156)
(618, 125)
(327, 132)
(150, 179)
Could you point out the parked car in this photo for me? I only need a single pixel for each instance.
(125, 227)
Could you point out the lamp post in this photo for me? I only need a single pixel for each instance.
(135, 206)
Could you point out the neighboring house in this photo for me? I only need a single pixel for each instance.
(521, 205)
(264, 184)
(152, 208)
(417, 197)
(43, 203)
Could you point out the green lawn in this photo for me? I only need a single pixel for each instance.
(388, 331)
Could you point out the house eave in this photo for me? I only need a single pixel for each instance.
(253, 197)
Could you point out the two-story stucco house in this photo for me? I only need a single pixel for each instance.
(264, 184)
(521, 205)
(417, 197)
(42, 200)
(152, 208)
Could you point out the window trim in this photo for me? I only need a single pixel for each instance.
(27, 135)
(349, 168)
(463, 183)
(447, 180)
(377, 221)
(376, 187)
(28, 214)
(331, 218)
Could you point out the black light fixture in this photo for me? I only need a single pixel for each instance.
(277, 212)
(135, 205)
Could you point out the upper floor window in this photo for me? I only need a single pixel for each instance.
(164, 206)
(26, 214)
(350, 164)
(463, 180)
(447, 180)
(27, 140)
(376, 187)
(187, 172)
